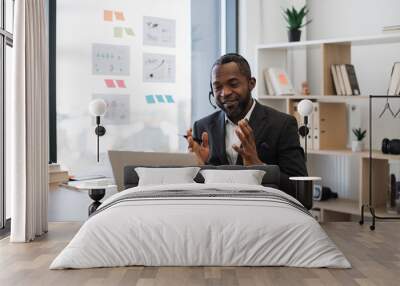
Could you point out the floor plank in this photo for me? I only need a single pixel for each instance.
(374, 255)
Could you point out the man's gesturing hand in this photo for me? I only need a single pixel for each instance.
(202, 150)
(247, 149)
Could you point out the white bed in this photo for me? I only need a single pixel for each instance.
(203, 231)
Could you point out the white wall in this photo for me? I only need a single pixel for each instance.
(346, 18)
(261, 22)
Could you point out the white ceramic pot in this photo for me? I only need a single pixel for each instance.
(357, 146)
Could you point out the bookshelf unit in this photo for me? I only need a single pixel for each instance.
(332, 51)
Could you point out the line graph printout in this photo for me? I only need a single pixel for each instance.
(110, 59)
(159, 32)
(158, 68)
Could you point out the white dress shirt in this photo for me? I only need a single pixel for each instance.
(231, 137)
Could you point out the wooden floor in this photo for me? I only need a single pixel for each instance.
(375, 257)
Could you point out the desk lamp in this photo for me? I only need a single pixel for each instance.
(98, 107)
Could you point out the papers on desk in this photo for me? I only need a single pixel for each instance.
(101, 183)
(86, 178)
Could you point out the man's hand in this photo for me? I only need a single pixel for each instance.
(202, 150)
(247, 149)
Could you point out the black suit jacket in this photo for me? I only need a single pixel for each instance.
(276, 136)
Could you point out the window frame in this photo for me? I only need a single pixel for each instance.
(229, 26)
(6, 39)
(52, 82)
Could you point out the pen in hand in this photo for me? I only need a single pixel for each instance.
(199, 141)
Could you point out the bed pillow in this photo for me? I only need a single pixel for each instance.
(164, 176)
(248, 177)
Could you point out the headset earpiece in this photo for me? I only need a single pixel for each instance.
(211, 94)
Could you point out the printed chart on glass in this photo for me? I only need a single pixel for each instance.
(134, 55)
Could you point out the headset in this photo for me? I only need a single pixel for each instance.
(211, 94)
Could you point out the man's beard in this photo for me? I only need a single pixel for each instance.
(238, 110)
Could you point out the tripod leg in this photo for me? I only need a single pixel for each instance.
(361, 222)
(372, 227)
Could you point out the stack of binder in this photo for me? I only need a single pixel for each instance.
(327, 126)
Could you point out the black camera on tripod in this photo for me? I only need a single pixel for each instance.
(391, 146)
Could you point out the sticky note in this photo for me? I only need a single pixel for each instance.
(129, 31)
(118, 32)
(109, 83)
(121, 83)
(169, 99)
(119, 16)
(108, 15)
(150, 99)
(160, 98)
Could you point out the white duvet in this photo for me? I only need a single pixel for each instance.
(200, 231)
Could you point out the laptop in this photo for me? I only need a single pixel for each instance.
(120, 159)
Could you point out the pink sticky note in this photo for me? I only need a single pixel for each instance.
(109, 83)
(119, 16)
(121, 83)
(108, 15)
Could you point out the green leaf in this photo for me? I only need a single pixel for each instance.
(306, 23)
(294, 12)
(302, 12)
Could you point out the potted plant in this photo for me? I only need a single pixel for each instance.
(358, 145)
(294, 20)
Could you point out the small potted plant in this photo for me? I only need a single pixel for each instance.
(294, 20)
(358, 145)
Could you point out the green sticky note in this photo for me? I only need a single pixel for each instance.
(129, 31)
(118, 32)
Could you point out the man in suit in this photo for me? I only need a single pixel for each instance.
(243, 131)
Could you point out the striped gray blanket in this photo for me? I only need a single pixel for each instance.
(206, 194)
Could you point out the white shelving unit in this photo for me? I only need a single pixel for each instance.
(332, 51)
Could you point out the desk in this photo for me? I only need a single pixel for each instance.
(96, 190)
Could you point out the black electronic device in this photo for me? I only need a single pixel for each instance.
(392, 190)
(321, 193)
(391, 146)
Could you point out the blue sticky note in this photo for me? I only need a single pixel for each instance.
(150, 99)
(160, 98)
(169, 99)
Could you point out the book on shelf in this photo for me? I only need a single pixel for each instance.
(340, 79)
(394, 84)
(351, 74)
(268, 84)
(58, 176)
(277, 82)
(345, 79)
(391, 29)
(335, 80)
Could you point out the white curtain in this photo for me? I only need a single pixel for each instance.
(28, 121)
